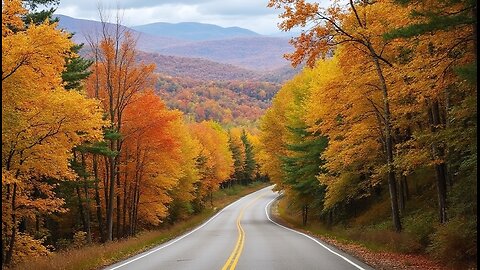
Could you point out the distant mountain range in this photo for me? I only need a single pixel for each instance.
(233, 45)
(229, 75)
(85, 29)
(193, 31)
(198, 68)
(206, 70)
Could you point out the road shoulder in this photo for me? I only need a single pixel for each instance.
(376, 260)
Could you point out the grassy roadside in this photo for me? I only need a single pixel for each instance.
(100, 255)
(378, 249)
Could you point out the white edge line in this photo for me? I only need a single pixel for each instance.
(308, 236)
(183, 236)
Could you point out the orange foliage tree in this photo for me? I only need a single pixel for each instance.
(117, 79)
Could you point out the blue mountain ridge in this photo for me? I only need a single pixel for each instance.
(194, 31)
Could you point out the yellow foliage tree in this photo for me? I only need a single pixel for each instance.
(216, 162)
(356, 28)
(41, 121)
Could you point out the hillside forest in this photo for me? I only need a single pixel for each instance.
(381, 136)
(377, 132)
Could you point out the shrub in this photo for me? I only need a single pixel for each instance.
(28, 247)
(455, 243)
(421, 226)
(79, 239)
(63, 244)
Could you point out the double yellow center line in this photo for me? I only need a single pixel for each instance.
(232, 261)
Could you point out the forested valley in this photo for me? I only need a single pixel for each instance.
(374, 138)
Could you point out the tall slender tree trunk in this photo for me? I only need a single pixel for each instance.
(87, 201)
(392, 185)
(132, 210)
(330, 218)
(119, 211)
(79, 197)
(305, 215)
(125, 200)
(440, 168)
(98, 203)
(135, 216)
(406, 192)
(80, 208)
(8, 257)
(401, 195)
(95, 160)
(105, 184)
(111, 196)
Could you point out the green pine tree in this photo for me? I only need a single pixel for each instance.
(237, 162)
(249, 164)
(77, 69)
(302, 167)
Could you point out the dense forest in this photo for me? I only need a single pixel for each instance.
(228, 102)
(376, 133)
(90, 153)
(382, 135)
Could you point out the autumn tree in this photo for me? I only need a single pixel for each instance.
(356, 27)
(183, 194)
(116, 80)
(151, 163)
(347, 114)
(278, 134)
(216, 162)
(41, 123)
(439, 55)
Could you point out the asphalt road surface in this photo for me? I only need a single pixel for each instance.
(243, 236)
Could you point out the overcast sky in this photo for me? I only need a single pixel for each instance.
(250, 14)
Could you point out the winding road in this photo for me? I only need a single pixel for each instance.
(243, 236)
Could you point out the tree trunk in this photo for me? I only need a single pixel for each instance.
(405, 184)
(439, 156)
(330, 218)
(111, 196)
(135, 214)
(105, 183)
(87, 201)
(118, 206)
(304, 215)
(8, 257)
(401, 195)
(392, 185)
(130, 216)
(125, 199)
(80, 208)
(98, 203)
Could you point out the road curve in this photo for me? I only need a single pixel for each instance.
(242, 236)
